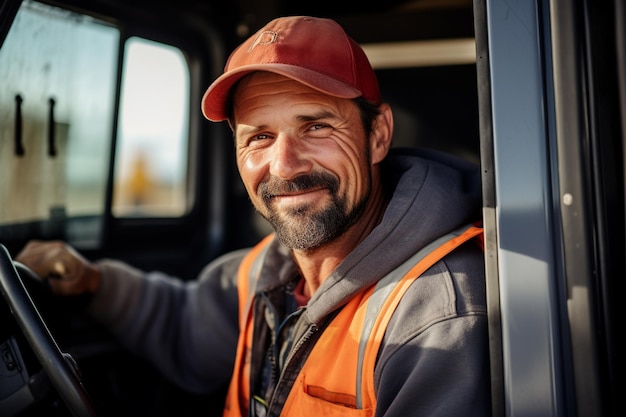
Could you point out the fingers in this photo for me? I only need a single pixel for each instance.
(41, 257)
(69, 273)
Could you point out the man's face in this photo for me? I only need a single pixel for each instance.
(303, 157)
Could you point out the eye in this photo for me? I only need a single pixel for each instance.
(262, 136)
(252, 140)
(257, 140)
(318, 126)
(319, 129)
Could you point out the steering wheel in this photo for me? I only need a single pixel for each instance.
(58, 367)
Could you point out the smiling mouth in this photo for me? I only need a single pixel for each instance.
(304, 189)
(298, 197)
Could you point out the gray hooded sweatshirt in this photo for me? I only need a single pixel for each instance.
(434, 360)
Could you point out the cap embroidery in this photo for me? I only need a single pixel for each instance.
(264, 38)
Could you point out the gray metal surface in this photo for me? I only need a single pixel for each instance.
(523, 210)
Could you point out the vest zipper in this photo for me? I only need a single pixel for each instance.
(283, 385)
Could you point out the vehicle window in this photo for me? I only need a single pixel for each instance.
(152, 147)
(431, 86)
(56, 111)
(57, 114)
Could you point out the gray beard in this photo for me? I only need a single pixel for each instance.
(302, 230)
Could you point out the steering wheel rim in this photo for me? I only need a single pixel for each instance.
(61, 373)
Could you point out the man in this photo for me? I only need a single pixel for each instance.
(369, 299)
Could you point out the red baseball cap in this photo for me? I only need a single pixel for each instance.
(316, 52)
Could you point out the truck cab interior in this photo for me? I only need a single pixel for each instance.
(103, 145)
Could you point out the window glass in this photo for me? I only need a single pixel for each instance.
(56, 111)
(152, 147)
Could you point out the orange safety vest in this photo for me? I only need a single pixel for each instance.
(337, 378)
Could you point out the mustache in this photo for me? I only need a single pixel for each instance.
(275, 186)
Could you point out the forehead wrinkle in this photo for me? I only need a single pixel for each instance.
(302, 118)
(322, 114)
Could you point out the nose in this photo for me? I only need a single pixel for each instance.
(289, 157)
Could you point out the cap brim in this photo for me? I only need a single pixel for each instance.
(214, 99)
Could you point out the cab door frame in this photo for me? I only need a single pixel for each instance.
(552, 153)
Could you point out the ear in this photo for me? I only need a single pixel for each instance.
(382, 133)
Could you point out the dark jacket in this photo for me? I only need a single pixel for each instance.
(434, 360)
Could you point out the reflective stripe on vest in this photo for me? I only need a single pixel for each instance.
(348, 346)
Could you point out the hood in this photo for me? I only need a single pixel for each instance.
(433, 194)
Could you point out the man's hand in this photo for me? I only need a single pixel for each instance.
(67, 271)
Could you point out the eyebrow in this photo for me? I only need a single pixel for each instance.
(316, 116)
(301, 118)
(247, 130)
(324, 114)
